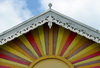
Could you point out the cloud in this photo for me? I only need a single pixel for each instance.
(85, 11)
(12, 12)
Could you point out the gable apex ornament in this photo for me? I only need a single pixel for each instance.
(50, 5)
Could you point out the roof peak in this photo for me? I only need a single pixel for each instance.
(50, 16)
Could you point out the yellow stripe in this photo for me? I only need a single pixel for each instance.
(27, 44)
(14, 63)
(75, 41)
(37, 40)
(60, 35)
(51, 41)
(79, 44)
(64, 39)
(84, 51)
(15, 47)
(41, 35)
(86, 54)
(10, 65)
(9, 49)
(89, 66)
(88, 60)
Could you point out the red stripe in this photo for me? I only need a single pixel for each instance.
(96, 67)
(68, 42)
(32, 42)
(12, 59)
(4, 67)
(87, 57)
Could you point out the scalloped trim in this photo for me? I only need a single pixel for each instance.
(50, 20)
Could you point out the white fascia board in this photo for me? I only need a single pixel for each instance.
(50, 17)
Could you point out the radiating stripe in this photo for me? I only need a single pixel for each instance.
(13, 56)
(75, 41)
(57, 41)
(60, 35)
(9, 49)
(46, 35)
(84, 51)
(23, 47)
(88, 60)
(37, 40)
(14, 63)
(65, 37)
(10, 65)
(12, 59)
(88, 57)
(15, 47)
(42, 39)
(55, 36)
(78, 45)
(51, 41)
(96, 67)
(4, 67)
(24, 40)
(88, 43)
(86, 54)
(88, 63)
(32, 42)
(68, 42)
(90, 66)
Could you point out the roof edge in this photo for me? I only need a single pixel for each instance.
(51, 17)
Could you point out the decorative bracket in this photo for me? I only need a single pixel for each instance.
(50, 19)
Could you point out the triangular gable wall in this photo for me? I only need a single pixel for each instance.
(43, 44)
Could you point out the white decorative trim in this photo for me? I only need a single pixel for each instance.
(50, 20)
(76, 30)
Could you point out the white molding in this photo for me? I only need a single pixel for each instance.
(50, 19)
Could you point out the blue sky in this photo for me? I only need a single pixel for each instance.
(34, 6)
(13, 12)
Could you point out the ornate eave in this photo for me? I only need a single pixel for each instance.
(50, 17)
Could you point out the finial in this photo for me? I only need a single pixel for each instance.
(50, 5)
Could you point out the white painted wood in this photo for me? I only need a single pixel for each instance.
(50, 17)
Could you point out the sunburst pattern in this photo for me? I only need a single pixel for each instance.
(57, 41)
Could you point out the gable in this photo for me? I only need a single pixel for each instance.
(43, 43)
(50, 17)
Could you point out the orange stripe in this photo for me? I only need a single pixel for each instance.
(79, 44)
(10, 65)
(51, 41)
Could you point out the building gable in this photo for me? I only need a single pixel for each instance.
(52, 47)
(50, 17)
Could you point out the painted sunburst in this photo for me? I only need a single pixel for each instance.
(43, 47)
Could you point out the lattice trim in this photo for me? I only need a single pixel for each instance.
(50, 20)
